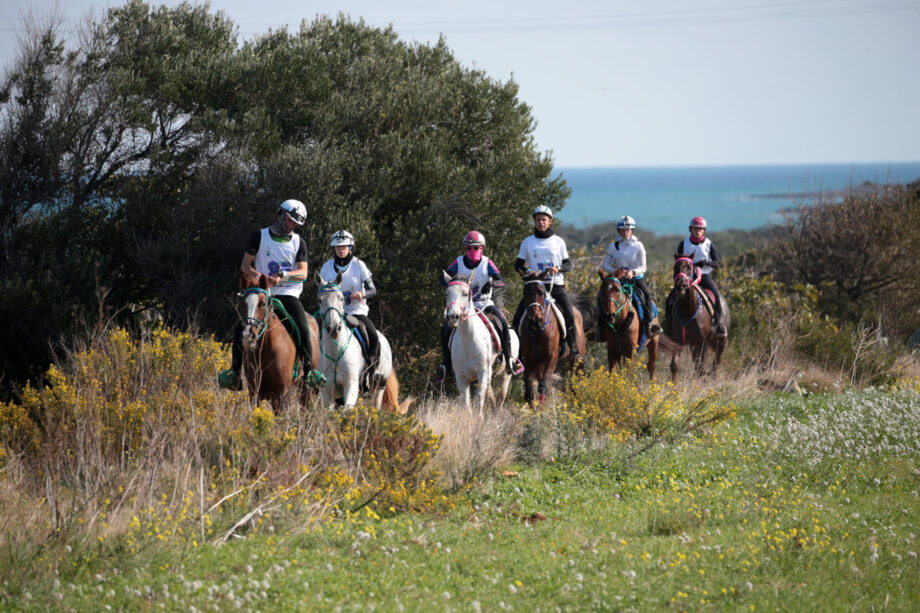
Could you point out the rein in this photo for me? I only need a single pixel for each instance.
(332, 288)
(465, 309)
(626, 291)
(544, 307)
(260, 324)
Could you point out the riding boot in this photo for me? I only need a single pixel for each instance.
(444, 367)
(231, 379)
(572, 342)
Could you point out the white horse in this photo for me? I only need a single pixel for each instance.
(472, 350)
(342, 361)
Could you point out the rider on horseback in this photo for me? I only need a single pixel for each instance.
(628, 252)
(544, 250)
(705, 256)
(485, 279)
(356, 285)
(280, 255)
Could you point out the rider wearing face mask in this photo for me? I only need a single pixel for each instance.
(485, 282)
(705, 256)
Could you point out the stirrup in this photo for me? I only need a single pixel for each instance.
(654, 330)
(229, 380)
(315, 378)
(517, 367)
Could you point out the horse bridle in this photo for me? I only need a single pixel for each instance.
(467, 309)
(690, 282)
(259, 324)
(544, 310)
(612, 317)
(332, 288)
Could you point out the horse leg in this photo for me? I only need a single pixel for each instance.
(485, 380)
(528, 388)
(674, 364)
(504, 382)
(350, 394)
(652, 348)
(613, 355)
(464, 386)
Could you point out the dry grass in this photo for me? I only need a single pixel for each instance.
(470, 447)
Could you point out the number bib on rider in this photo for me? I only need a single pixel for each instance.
(541, 253)
(273, 257)
(480, 276)
(353, 278)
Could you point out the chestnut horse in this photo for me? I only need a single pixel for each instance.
(540, 334)
(689, 320)
(621, 322)
(268, 351)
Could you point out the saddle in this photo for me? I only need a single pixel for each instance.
(360, 331)
(493, 325)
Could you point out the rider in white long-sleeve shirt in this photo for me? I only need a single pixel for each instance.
(628, 253)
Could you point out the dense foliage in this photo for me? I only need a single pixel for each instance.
(135, 163)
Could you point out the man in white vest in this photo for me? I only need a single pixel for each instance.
(280, 255)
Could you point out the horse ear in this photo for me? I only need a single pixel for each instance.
(263, 282)
(446, 277)
(338, 279)
(677, 256)
(543, 274)
(243, 283)
(601, 273)
(319, 279)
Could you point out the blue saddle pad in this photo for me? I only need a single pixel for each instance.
(639, 313)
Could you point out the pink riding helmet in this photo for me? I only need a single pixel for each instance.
(474, 238)
(698, 222)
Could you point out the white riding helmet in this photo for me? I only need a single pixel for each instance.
(342, 237)
(626, 223)
(543, 210)
(295, 210)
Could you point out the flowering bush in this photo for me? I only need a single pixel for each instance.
(384, 454)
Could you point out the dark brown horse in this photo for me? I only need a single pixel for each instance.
(690, 321)
(620, 322)
(268, 351)
(540, 334)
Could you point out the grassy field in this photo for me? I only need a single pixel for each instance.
(799, 503)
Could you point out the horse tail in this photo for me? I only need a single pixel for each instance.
(666, 344)
(590, 312)
(391, 396)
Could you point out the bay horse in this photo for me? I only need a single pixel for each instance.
(343, 362)
(690, 322)
(621, 323)
(473, 350)
(268, 350)
(540, 333)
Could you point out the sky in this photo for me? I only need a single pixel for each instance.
(613, 83)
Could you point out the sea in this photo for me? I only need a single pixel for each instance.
(664, 199)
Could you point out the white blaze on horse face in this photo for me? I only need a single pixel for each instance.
(458, 302)
(332, 304)
(252, 305)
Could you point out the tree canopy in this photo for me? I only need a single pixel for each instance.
(137, 159)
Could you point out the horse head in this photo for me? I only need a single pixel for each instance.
(332, 305)
(535, 298)
(459, 299)
(256, 303)
(684, 274)
(612, 300)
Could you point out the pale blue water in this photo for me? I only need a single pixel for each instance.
(664, 200)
